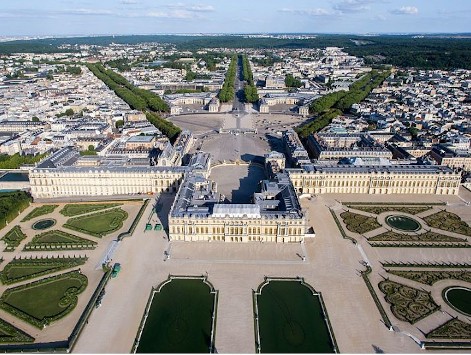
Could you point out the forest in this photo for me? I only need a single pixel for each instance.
(425, 52)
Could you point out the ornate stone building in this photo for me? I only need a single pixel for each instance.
(392, 179)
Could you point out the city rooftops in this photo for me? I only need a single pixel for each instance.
(141, 139)
(362, 169)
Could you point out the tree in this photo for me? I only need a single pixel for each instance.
(69, 112)
(35, 119)
(292, 82)
(91, 148)
(190, 76)
(119, 123)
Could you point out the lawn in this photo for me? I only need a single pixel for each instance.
(23, 269)
(42, 302)
(448, 221)
(98, 224)
(39, 211)
(59, 240)
(76, 209)
(358, 223)
(13, 238)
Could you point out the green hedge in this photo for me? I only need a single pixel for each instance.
(58, 294)
(13, 238)
(10, 334)
(24, 269)
(39, 211)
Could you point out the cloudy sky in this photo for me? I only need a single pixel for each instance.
(87, 17)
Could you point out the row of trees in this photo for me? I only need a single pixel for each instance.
(250, 90)
(166, 127)
(227, 92)
(135, 97)
(139, 99)
(331, 105)
(318, 123)
(358, 91)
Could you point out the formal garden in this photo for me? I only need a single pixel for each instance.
(358, 223)
(13, 238)
(75, 209)
(44, 301)
(407, 303)
(24, 269)
(414, 225)
(449, 222)
(41, 288)
(39, 211)
(452, 329)
(98, 224)
(381, 209)
(10, 334)
(429, 277)
(391, 236)
(428, 274)
(59, 240)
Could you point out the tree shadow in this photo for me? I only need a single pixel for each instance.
(377, 349)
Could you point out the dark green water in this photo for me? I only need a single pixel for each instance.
(180, 319)
(44, 224)
(14, 177)
(403, 223)
(460, 299)
(291, 320)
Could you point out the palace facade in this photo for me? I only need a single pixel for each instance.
(384, 179)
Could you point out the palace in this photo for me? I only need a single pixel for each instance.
(377, 179)
(275, 215)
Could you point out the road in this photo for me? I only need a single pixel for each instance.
(238, 106)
